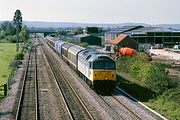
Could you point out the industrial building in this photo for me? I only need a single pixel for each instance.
(110, 35)
(90, 39)
(147, 35)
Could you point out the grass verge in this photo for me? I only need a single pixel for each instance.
(167, 104)
(7, 54)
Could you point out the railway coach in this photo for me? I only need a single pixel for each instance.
(97, 69)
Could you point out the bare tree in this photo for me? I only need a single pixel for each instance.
(18, 23)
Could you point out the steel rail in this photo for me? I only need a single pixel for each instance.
(18, 115)
(82, 103)
(55, 79)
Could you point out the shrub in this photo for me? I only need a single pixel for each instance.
(14, 64)
(123, 64)
(11, 39)
(152, 75)
(84, 44)
(157, 79)
(19, 56)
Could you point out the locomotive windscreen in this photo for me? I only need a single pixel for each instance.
(103, 65)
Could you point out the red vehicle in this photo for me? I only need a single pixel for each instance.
(127, 52)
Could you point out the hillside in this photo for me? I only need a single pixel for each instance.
(41, 24)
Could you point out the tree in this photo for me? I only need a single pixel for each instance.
(24, 36)
(18, 23)
(8, 28)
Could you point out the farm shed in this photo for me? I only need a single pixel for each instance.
(124, 41)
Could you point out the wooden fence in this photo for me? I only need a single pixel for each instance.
(7, 85)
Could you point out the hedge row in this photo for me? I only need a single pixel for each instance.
(152, 75)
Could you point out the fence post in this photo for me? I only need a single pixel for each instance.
(5, 89)
(9, 83)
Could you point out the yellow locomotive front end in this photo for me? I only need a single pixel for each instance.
(103, 75)
(104, 81)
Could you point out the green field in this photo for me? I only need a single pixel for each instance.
(7, 54)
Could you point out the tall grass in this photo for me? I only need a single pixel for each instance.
(7, 54)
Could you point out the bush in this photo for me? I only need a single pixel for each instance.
(84, 44)
(11, 39)
(156, 79)
(19, 56)
(14, 64)
(152, 75)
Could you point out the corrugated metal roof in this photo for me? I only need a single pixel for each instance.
(81, 35)
(123, 29)
(148, 29)
(130, 30)
(118, 39)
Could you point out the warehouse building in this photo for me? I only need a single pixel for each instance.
(155, 35)
(110, 35)
(90, 39)
(148, 35)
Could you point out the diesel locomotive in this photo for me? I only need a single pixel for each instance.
(97, 69)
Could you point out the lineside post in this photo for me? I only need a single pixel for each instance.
(5, 89)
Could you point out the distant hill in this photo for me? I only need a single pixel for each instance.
(173, 26)
(73, 24)
(41, 24)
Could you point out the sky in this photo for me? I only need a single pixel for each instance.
(94, 11)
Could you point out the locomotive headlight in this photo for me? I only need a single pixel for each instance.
(106, 78)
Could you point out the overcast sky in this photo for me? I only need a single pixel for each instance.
(94, 11)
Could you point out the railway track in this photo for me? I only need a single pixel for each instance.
(74, 104)
(112, 108)
(120, 108)
(60, 106)
(28, 101)
(140, 110)
(135, 115)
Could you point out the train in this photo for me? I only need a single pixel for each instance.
(96, 69)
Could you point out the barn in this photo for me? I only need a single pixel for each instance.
(124, 40)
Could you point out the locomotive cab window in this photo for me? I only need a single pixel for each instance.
(103, 65)
(109, 65)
